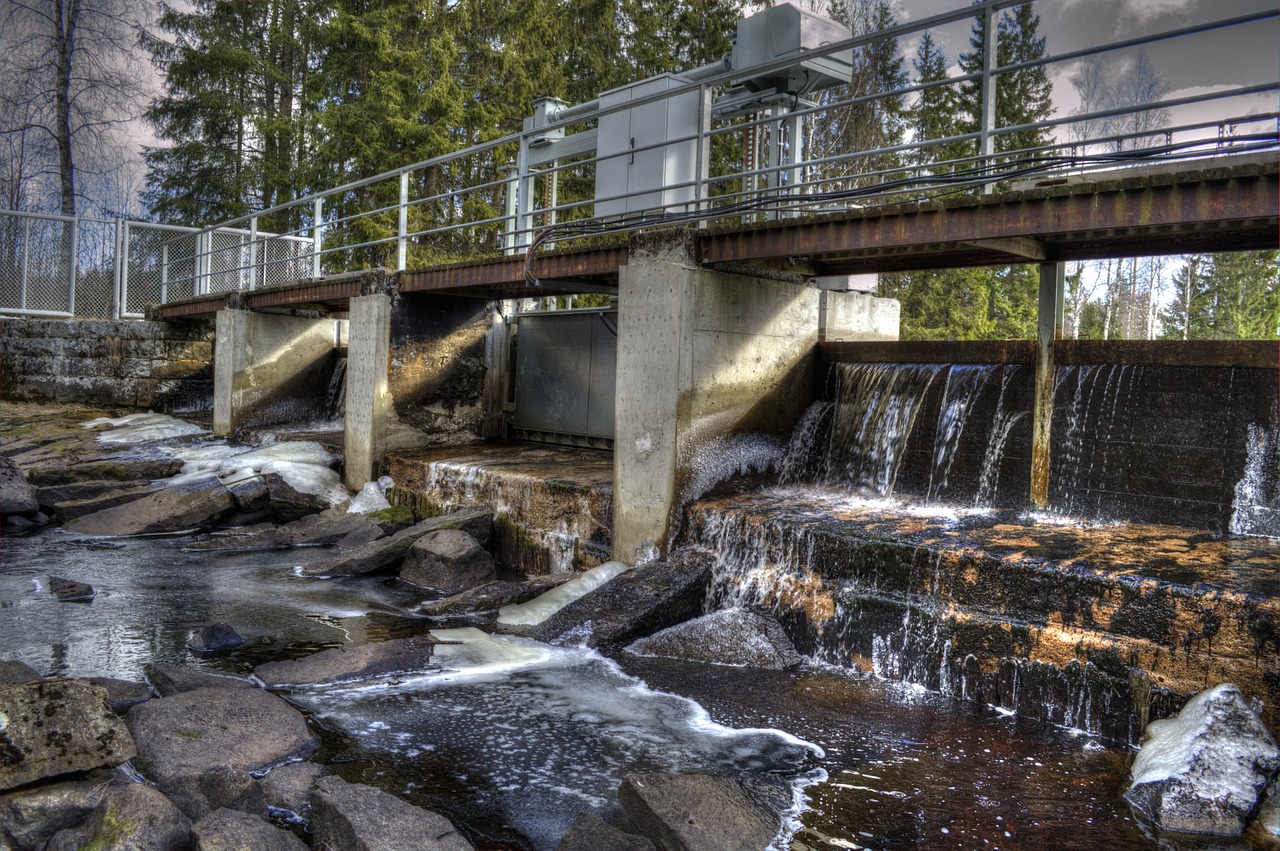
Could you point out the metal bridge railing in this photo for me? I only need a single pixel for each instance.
(742, 156)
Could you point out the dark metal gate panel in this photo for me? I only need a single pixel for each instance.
(564, 377)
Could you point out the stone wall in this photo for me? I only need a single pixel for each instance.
(164, 366)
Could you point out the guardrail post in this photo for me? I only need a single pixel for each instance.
(120, 275)
(402, 246)
(523, 234)
(253, 255)
(26, 261)
(704, 153)
(202, 282)
(317, 236)
(990, 59)
(511, 173)
(164, 272)
(74, 224)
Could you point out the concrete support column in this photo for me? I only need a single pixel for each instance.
(702, 356)
(368, 397)
(1048, 329)
(268, 368)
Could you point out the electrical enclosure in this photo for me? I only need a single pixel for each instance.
(788, 31)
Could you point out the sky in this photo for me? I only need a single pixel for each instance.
(1220, 59)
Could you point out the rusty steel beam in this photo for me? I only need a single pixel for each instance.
(1223, 209)
(508, 272)
(326, 292)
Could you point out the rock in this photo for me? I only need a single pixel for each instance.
(697, 812)
(68, 590)
(40, 518)
(328, 526)
(728, 637)
(448, 560)
(349, 662)
(210, 728)
(173, 679)
(638, 603)
(216, 638)
(1204, 770)
(18, 523)
(173, 509)
(119, 470)
(17, 496)
(30, 816)
(288, 787)
(388, 552)
(289, 502)
(588, 833)
(492, 596)
(199, 794)
(230, 830)
(121, 694)
(357, 538)
(250, 493)
(355, 817)
(53, 496)
(13, 671)
(54, 727)
(133, 817)
(121, 495)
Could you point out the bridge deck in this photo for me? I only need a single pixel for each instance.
(1233, 205)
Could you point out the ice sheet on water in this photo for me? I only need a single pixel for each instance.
(304, 464)
(540, 608)
(371, 498)
(550, 738)
(134, 429)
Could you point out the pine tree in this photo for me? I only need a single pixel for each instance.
(935, 114)
(1022, 97)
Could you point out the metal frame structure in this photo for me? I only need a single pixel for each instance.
(507, 197)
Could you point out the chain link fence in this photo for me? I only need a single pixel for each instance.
(58, 266)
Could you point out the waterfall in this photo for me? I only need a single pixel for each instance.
(964, 384)
(875, 413)
(1002, 425)
(335, 400)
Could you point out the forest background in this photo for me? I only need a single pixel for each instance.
(263, 102)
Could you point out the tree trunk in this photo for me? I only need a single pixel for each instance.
(66, 13)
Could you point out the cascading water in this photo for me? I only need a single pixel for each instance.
(964, 383)
(335, 402)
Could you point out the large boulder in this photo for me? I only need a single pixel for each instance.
(636, 604)
(350, 662)
(589, 833)
(133, 817)
(289, 502)
(698, 812)
(174, 679)
(448, 560)
(121, 694)
(1204, 770)
(200, 793)
(386, 553)
(220, 637)
(491, 596)
(356, 817)
(187, 505)
(728, 637)
(67, 510)
(326, 527)
(113, 469)
(54, 727)
(17, 496)
(231, 830)
(14, 671)
(212, 728)
(288, 787)
(30, 816)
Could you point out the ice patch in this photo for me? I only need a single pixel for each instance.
(142, 428)
(540, 608)
(371, 498)
(303, 464)
(478, 654)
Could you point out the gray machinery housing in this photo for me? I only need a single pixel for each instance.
(787, 31)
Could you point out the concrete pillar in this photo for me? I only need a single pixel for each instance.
(701, 355)
(368, 399)
(268, 368)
